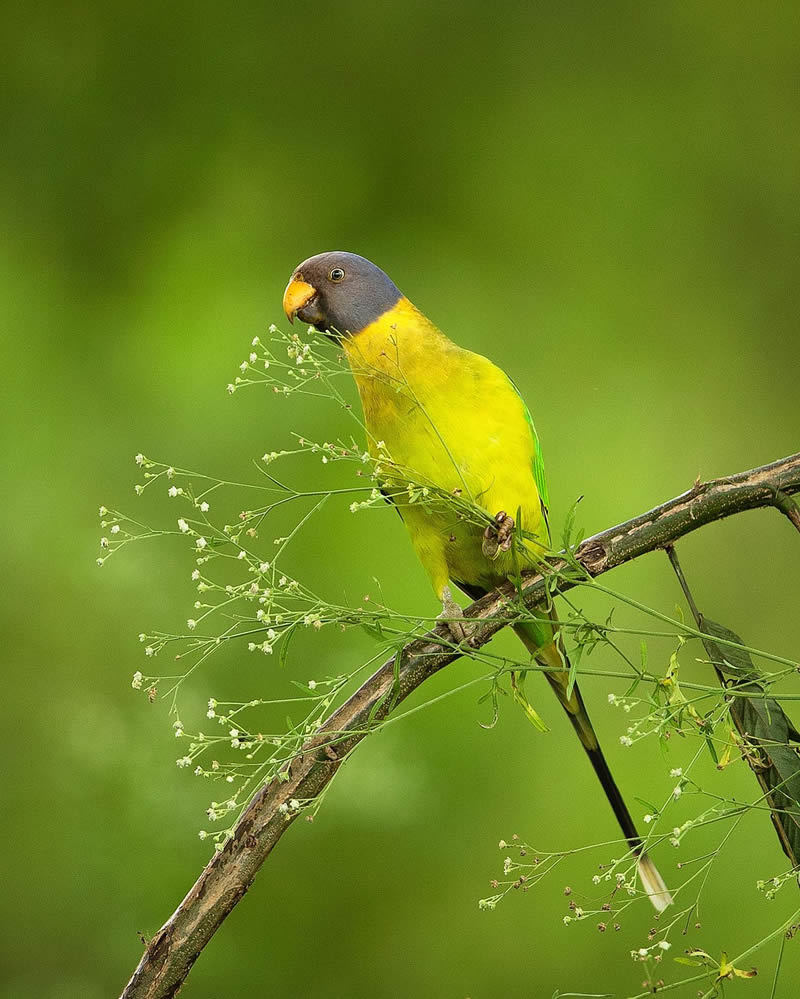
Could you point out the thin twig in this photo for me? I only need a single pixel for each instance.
(787, 506)
(171, 953)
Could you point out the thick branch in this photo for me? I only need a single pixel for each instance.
(174, 949)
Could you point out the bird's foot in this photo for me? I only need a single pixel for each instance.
(452, 615)
(498, 535)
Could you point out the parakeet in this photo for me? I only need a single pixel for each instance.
(453, 419)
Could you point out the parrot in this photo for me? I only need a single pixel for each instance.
(456, 420)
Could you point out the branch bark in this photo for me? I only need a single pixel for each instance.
(170, 954)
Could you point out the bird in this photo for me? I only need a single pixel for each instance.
(452, 418)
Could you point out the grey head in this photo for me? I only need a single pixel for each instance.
(339, 292)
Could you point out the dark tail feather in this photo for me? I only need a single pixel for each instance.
(553, 657)
(581, 723)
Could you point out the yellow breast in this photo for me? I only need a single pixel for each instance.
(449, 417)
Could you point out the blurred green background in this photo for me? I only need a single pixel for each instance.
(603, 198)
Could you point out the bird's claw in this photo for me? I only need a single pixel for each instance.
(498, 535)
(452, 615)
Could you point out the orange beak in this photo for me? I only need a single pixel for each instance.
(298, 293)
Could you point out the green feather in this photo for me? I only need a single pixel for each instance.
(538, 460)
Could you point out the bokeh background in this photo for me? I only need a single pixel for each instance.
(605, 199)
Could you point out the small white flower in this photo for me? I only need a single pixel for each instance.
(139, 459)
(100, 562)
(115, 529)
(191, 624)
(294, 804)
(201, 543)
(273, 328)
(149, 651)
(664, 944)
(103, 511)
(612, 698)
(184, 527)
(184, 761)
(648, 818)
(312, 685)
(283, 808)
(253, 357)
(202, 834)
(204, 507)
(230, 388)
(195, 574)
(172, 491)
(136, 682)
(242, 554)
(677, 791)
(104, 542)
(170, 472)
(243, 366)
(255, 341)
(676, 772)
(625, 740)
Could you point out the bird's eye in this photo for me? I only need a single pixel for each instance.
(336, 274)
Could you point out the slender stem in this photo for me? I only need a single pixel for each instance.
(672, 555)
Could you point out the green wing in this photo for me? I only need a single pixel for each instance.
(538, 461)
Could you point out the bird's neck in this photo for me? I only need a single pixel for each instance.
(394, 346)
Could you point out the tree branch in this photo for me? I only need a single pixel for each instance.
(230, 872)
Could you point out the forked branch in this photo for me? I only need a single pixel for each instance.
(171, 953)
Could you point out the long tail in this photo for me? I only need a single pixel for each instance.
(549, 652)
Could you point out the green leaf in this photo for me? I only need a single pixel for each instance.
(284, 651)
(727, 659)
(373, 630)
(769, 735)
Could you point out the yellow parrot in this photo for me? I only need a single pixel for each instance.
(452, 418)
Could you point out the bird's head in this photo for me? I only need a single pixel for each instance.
(340, 292)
